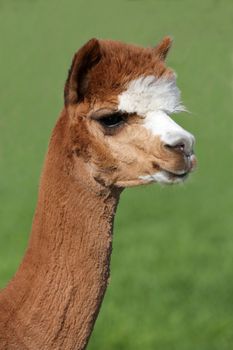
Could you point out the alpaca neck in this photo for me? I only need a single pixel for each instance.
(57, 292)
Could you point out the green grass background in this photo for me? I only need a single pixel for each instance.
(172, 264)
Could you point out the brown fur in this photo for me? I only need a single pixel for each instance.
(55, 296)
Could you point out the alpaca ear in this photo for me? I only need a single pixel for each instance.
(161, 50)
(76, 84)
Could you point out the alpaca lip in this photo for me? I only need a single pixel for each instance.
(181, 176)
(176, 176)
(165, 177)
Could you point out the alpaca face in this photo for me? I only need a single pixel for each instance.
(124, 131)
(154, 99)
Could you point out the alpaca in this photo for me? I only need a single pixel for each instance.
(113, 132)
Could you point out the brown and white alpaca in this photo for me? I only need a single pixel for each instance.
(113, 132)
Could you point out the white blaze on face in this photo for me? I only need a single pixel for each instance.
(154, 99)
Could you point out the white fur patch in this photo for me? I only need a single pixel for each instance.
(159, 123)
(150, 94)
(161, 177)
(154, 99)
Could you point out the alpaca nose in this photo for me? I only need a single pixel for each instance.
(182, 143)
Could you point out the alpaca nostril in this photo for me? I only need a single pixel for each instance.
(183, 144)
(180, 147)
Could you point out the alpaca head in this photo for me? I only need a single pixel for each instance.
(119, 98)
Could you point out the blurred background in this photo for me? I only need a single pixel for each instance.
(172, 264)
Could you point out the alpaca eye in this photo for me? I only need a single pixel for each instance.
(112, 120)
